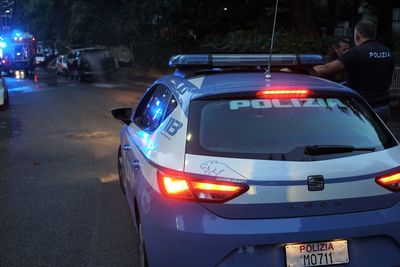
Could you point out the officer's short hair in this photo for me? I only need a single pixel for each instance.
(366, 29)
(342, 39)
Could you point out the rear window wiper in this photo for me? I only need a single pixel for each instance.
(333, 149)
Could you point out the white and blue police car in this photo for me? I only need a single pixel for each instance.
(222, 166)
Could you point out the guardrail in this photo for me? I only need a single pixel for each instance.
(394, 90)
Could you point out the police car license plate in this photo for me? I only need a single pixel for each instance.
(317, 254)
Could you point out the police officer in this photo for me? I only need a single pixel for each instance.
(369, 67)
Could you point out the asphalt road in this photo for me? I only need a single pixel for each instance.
(60, 200)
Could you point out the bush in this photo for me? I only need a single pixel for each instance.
(238, 41)
(290, 42)
(253, 41)
(156, 51)
(148, 53)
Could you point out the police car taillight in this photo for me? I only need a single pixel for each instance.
(284, 93)
(391, 181)
(178, 186)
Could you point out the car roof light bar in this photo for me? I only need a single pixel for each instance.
(243, 60)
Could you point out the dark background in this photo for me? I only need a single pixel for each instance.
(154, 30)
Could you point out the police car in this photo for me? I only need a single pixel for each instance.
(223, 165)
(4, 101)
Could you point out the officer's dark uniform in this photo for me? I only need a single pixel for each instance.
(369, 69)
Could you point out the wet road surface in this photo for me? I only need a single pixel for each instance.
(60, 201)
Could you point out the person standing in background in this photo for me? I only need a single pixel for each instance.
(369, 68)
(339, 47)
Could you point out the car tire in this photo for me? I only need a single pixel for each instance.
(143, 262)
(120, 172)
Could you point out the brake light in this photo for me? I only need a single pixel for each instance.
(211, 187)
(174, 186)
(284, 93)
(391, 182)
(179, 186)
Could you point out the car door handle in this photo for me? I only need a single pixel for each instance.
(135, 164)
(126, 147)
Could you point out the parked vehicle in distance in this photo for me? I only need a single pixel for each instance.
(4, 98)
(20, 54)
(91, 62)
(39, 59)
(223, 166)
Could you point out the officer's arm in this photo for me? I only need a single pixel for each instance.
(329, 68)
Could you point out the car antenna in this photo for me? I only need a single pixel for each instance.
(268, 70)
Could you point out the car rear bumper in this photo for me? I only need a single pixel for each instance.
(185, 234)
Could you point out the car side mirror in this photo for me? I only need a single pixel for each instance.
(123, 114)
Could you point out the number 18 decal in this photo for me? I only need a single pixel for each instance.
(172, 126)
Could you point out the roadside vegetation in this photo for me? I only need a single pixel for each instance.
(154, 30)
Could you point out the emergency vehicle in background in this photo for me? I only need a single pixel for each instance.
(17, 53)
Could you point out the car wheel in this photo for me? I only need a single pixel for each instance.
(142, 248)
(120, 172)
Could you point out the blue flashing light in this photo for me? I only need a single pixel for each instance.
(17, 35)
(156, 114)
(311, 59)
(190, 60)
(3, 44)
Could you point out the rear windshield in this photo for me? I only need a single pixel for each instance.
(281, 129)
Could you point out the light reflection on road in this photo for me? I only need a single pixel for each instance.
(24, 85)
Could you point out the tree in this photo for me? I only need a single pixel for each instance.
(331, 17)
(385, 19)
(301, 16)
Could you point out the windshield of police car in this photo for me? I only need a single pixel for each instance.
(280, 129)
